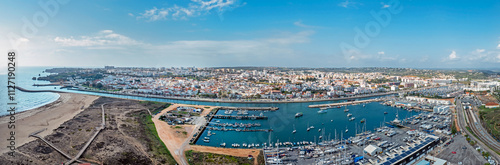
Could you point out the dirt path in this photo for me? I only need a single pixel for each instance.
(173, 137)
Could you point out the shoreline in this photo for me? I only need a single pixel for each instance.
(33, 108)
(49, 116)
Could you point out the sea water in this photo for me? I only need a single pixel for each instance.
(283, 122)
(26, 101)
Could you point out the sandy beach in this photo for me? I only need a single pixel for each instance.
(49, 116)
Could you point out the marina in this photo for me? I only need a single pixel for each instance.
(303, 126)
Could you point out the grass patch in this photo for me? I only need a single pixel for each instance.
(156, 146)
(155, 107)
(198, 158)
(453, 127)
(490, 118)
(260, 158)
(470, 130)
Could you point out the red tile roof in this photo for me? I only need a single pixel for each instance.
(491, 104)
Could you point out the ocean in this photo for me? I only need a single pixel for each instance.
(26, 101)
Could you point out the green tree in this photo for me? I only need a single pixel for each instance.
(99, 86)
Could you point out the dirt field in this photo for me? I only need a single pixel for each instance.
(129, 138)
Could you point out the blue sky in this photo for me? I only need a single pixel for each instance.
(205, 33)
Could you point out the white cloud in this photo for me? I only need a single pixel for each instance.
(385, 5)
(195, 8)
(183, 52)
(348, 4)
(103, 38)
(498, 47)
(453, 55)
(356, 55)
(130, 14)
(480, 50)
(301, 37)
(300, 24)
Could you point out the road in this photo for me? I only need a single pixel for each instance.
(486, 141)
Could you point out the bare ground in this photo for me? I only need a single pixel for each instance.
(127, 139)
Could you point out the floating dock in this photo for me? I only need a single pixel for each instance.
(251, 108)
(345, 103)
(239, 130)
(240, 117)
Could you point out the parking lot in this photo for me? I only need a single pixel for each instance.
(455, 153)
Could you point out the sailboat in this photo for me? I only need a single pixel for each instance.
(346, 110)
(308, 128)
(294, 130)
(346, 130)
(396, 122)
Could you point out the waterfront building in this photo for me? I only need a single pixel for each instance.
(372, 150)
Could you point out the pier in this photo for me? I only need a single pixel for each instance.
(240, 117)
(34, 91)
(248, 125)
(239, 130)
(42, 85)
(251, 108)
(345, 103)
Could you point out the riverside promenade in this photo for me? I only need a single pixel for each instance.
(264, 101)
(344, 103)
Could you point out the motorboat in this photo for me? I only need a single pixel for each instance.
(299, 114)
(322, 111)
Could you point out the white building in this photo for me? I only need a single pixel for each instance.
(394, 87)
(372, 150)
(439, 109)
